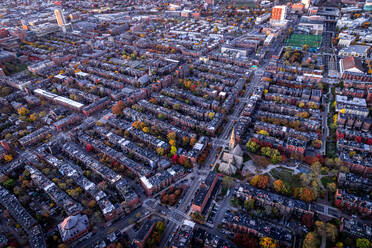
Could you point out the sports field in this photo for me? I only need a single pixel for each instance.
(298, 40)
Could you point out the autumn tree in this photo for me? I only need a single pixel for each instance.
(304, 194)
(266, 242)
(171, 136)
(252, 146)
(23, 111)
(311, 240)
(117, 109)
(331, 232)
(259, 181)
(245, 240)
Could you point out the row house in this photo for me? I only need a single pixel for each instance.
(59, 99)
(352, 109)
(126, 191)
(151, 120)
(171, 114)
(28, 224)
(148, 139)
(136, 168)
(361, 77)
(128, 146)
(357, 84)
(244, 223)
(353, 145)
(285, 204)
(352, 92)
(144, 233)
(108, 210)
(204, 193)
(356, 228)
(290, 99)
(351, 202)
(288, 109)
(162, 179)
(284, 132)
(35, 136)
(71, 119)
(75, 152)
(95, 106)
(354, 122)
(241, 127)
(194, 111)
(361, 164)
(358, 136)
(62, 200)
(197, 149)
(295, 146)
(353, 181)
(296, 92)
(186, 95)
(227, 60)
(310, 125)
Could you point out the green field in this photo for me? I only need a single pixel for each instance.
(298, 40)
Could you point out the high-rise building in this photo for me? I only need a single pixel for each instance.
(279, 13)
(60, 17)
(306, 3)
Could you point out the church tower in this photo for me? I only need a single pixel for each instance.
(232, 142)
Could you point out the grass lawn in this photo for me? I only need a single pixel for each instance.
(286, 175)
(298, 40)
(261, 161)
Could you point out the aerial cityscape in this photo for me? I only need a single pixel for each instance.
(186, 123)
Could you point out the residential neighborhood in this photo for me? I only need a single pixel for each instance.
(174, 123)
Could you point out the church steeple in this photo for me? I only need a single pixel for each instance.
(232, 142)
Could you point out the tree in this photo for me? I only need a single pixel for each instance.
(160, 151)
(266, 242)
(211, 115)
(145, 129)
(278, 185)
(249, 204)
(185, 141)
(171, 135)
(363, 243)
(193, 141)
(117, 109)
(263, 132)
(92, 204)
(23, 111)
(173, 150)
(304, 193)
(245, 240)
(172, 142)
(33, 117)
(227, 182)
(311, 241)
(252, 146)
(8, 158)
(89, 148)
(9, 184)
(331, 232)
(259, 181)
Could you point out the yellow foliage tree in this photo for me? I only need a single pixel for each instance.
(23, 111)
(8, 158)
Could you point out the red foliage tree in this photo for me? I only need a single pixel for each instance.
(245, 240)
(89, 148)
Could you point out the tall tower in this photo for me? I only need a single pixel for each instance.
(60, 17)
(232, 142)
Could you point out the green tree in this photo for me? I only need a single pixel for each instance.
(252, 146)
(363, 243)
